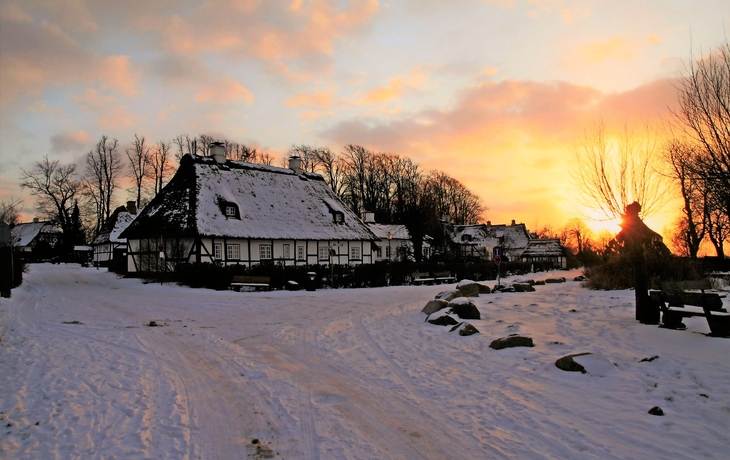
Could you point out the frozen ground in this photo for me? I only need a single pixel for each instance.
(346, 374)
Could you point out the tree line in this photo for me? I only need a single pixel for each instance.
(396, 189)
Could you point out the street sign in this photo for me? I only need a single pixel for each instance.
(497, 260)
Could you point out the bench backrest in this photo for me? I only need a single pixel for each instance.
(675, 293)
(442, 274)
(679, 286)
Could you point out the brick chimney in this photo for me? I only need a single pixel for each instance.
(132, 207)
(218, 152)
(295, 164)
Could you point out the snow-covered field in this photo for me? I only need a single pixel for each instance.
(346, 374)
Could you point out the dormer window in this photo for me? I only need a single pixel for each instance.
(339, 217)
(229, 209)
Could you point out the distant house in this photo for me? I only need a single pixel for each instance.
(108, 244)
(235, 213)
(548, 249)
(478, 240)
(29, 236)
(394, 241)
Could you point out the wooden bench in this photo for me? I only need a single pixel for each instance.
(250, 283)
(420, 278)
(684, 299)
(444, 277)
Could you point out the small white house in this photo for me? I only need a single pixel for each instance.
(108, 241)
(236, 213)
(479, 240)
(28, 235)
(395, 242)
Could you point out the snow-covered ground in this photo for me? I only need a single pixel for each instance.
(346, 374)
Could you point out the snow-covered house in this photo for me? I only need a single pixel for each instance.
(478, 240)
(109, 242)
(28, 235)
(230, 212)
(394, 241)
(548, 249)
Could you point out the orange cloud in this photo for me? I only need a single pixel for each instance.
(499, 136)
(269, 31)
(311, 100)
(226, 91)
(615, 48)
(115, 72)
(654, 38)
(395, 88)
(91, 99)
(69, 141)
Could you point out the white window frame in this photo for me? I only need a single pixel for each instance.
(233, 251)
(300, 252)
(286, 250)
(355, 253)
(387, 251)
(230, 210)
(324, 253)
(218, 251)
(265, 252)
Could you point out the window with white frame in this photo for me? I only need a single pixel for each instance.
(264, 251)
(230, 211)
(378, 252)
(355, 253)
(218, 251)
(286, 251)
(300, 252)
(387, 252)
(233, 251)
(324, 253)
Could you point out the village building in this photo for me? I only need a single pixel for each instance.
(479, 240)
(235, 213)
(36, 240)
(545, 250)
(395, 243)
(109, 248)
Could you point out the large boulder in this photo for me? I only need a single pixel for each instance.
(566, 363)
(465, 329)
(511, 341)
(444, 320)
(484, 289)
(555, 280)
(449, 295)
(464, 309)
(434, 305)
(523, 287)
(468, 288)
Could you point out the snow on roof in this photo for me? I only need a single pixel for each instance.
(398, 232)
(516, 235)
(270, 202)
(116, 224)
(24, 234)
(543, 247)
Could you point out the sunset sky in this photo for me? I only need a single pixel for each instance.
(494, 93)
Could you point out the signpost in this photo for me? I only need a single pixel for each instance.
(497, 256)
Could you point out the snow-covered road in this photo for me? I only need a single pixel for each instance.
(339, 374)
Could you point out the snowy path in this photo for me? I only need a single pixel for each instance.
(344, 374)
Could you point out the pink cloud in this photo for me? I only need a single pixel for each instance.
(225, 91)
(116, 72)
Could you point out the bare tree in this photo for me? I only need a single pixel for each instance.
(103, 167)
(684, 161)
(10, 209)
(611, 173)
(139, 160)
(56, 189)
(160, 166)
(577, 235)
(331, 167)
(704, 115)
